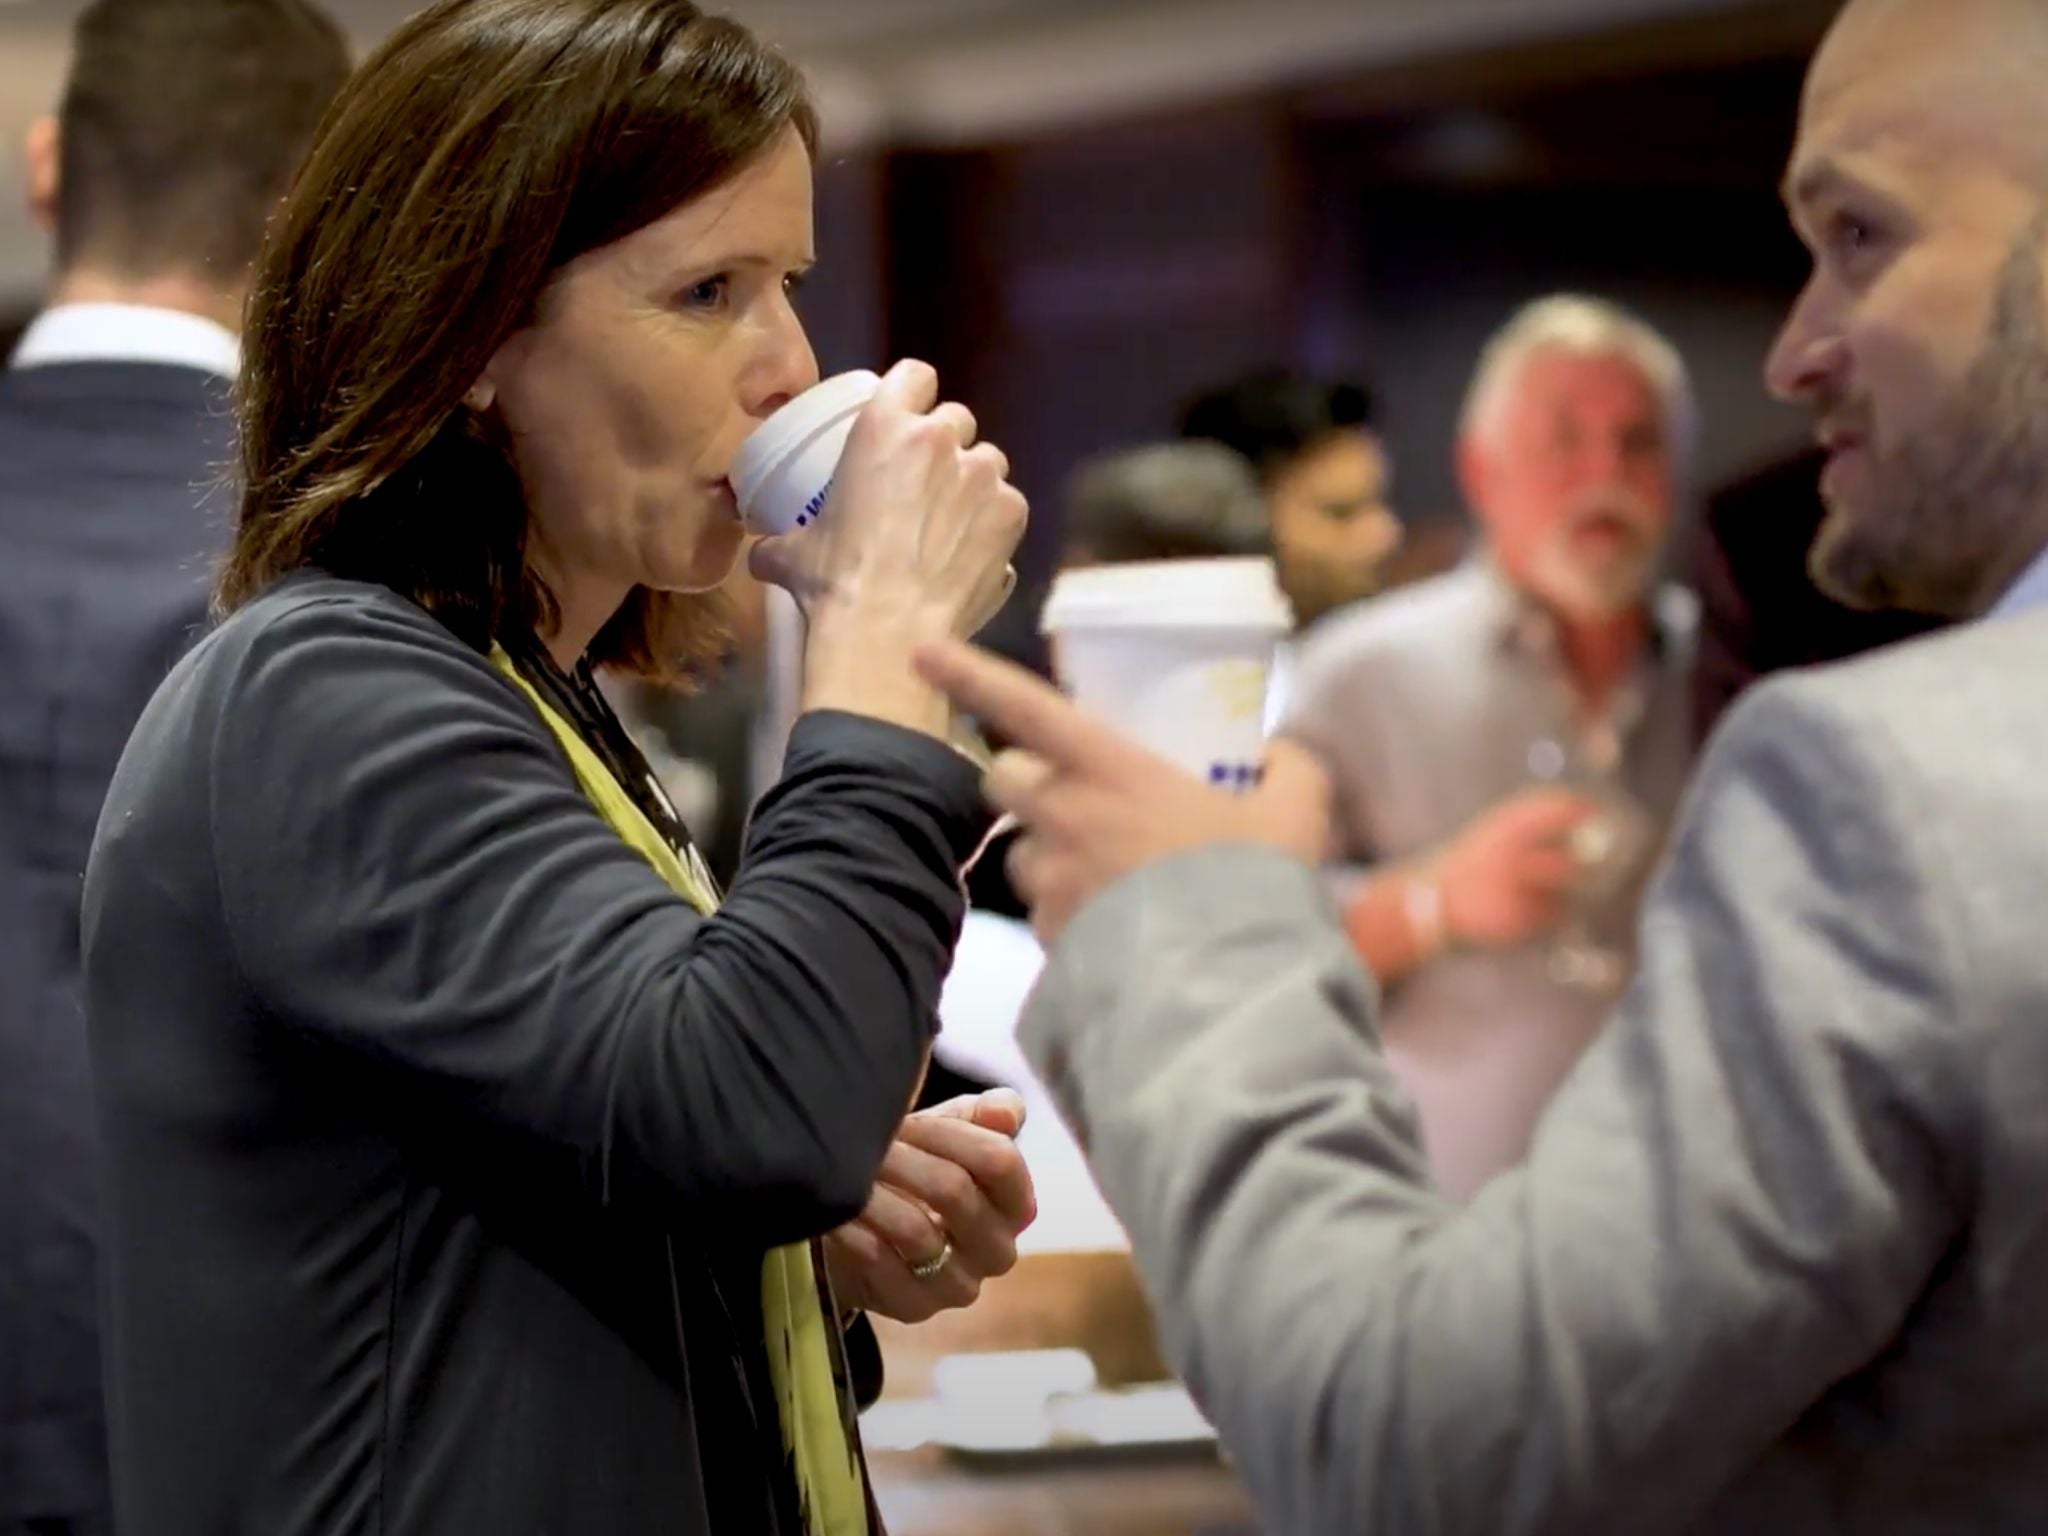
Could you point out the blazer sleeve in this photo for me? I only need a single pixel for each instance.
(1731, 1206)
(407, 868)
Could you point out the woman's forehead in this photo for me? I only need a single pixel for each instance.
(762, 215)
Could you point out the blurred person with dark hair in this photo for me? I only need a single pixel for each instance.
(473, 1164)
(178, 128)
(1325, 475)
(1165, 501)
(1510, 739)
(1760, 608)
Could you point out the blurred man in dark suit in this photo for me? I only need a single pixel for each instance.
(179, 128)
(1760, 611)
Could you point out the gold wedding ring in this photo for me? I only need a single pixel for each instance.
(929, 1269)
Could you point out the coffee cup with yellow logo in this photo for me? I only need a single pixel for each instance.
(1177, 653)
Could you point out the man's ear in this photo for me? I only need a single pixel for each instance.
(41, 150)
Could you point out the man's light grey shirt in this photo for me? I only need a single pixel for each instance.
(1432, 705)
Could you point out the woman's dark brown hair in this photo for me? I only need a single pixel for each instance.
(484, 146)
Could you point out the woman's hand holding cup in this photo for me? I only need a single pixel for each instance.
(912, 544)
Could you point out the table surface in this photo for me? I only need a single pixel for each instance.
(928, 1493)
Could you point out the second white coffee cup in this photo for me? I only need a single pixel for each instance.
(1177, 654)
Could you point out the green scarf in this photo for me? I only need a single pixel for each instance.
(830, 1488)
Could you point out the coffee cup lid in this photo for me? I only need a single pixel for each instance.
(795, 424)
(1234, 593)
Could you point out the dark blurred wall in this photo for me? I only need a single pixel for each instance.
(843, 303)
(1070, 289)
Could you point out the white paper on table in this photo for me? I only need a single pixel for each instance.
(994, 970)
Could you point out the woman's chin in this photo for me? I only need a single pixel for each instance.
(705, 568)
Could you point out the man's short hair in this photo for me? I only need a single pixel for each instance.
(1167, 501)
(181, 125)
(1272, 417)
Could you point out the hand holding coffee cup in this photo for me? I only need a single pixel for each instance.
(901, 535)
(789, 473)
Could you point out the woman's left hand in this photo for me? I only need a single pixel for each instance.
(953, 1185)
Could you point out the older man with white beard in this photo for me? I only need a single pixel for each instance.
(1508, 741)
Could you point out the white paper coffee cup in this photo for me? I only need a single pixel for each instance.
(1176, 653)
(782, 476)
(783, 473)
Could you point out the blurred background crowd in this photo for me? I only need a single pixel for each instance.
(1088, 216)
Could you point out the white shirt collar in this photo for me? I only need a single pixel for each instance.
(127, 333)
(2030, 591)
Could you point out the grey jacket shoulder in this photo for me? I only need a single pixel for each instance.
(313, 630)
(312, 605)
(1960, 719)
(1955, 728)
(1919, 693)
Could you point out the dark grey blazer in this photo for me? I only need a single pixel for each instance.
(107, 535)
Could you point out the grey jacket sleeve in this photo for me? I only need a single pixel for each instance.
(1730, 1207)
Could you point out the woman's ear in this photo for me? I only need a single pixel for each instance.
(483, 394)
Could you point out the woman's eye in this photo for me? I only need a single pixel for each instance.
(794, 283)
(709, 294)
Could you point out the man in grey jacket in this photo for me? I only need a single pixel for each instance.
(1773, 1259)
